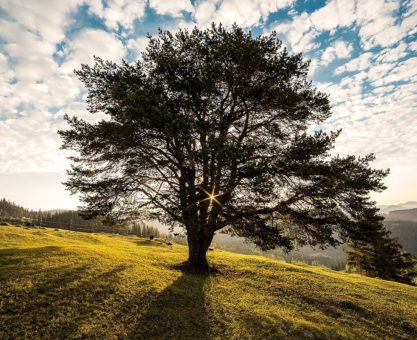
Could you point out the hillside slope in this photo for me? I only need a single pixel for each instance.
(63, 284)
(403, 215)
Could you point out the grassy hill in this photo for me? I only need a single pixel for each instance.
(64, 284)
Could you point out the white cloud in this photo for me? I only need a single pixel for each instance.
(336, 13)
(33, 85)
(302, 29)
(380, 25)
(357, 64)
(34, 80)
(338, 50)
(392, 54)
(314, 65)
(46, 18)
(404, 71)
(33, 142)
(204, 11)
(4, 65)
(32, 55)
(137, 45)
(117, 13)
(382, 121)
(91, 42)
(379, 71)
(377, 21)
(299, 33)
(78, 109)
(245, 13)
(342, 49)
(172, 7)
(413, 46)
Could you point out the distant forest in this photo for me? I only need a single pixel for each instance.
(68, 219)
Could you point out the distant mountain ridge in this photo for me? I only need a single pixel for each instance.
(386, 209)
(403, 215)
(401, 220)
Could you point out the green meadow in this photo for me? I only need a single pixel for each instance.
(58, 284)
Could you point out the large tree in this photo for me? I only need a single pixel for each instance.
(217, 130)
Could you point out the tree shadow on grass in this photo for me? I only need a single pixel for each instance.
(42, 301)
(177, 312)
(11, 259)
(7, 253)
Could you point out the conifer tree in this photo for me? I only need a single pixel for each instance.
(377, 254)
(212, 130)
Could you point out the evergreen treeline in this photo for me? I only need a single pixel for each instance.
(10, 209)
(68, 219)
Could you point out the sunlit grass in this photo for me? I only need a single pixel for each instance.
(60, 284)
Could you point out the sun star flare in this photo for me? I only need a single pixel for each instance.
(212, 196)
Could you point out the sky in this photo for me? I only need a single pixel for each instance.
(363, 54)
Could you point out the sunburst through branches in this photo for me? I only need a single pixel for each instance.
(212, 197)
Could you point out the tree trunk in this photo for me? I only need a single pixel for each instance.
(197, 250)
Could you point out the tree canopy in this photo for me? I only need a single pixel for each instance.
(214, 130)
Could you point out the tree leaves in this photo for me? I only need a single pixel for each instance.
(218, 109)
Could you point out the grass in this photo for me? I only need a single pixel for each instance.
(57, 284)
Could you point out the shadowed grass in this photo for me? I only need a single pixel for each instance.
(63, 284)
